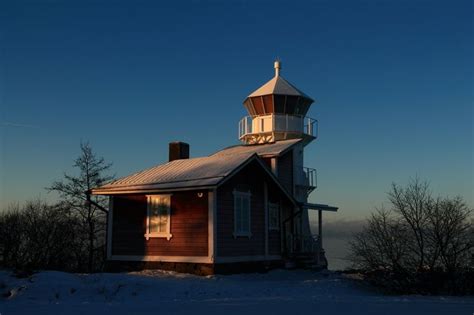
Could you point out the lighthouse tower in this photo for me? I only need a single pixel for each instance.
(277, 112)
(277, 116)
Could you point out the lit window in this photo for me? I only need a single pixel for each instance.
(158, 219)
(242, 214)
(273, 216)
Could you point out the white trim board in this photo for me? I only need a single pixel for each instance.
(184, 259)
(211, 236)
(110, 223)
(147, 191)
(151, 201)
(195, 259)
(232, 259)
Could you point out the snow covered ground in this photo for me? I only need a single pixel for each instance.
(276, 292)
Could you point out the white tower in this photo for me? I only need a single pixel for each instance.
(277, 112)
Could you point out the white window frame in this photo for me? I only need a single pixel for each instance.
(273, 212)
(243, 196)
(166, 234)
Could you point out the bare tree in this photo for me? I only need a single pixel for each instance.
(92, 172)
(412, 203)
(419, 234)
(38, 236)
(451, 233)
(382, 243)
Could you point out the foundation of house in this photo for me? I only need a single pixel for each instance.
(194, 268)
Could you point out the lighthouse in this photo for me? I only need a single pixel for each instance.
(277, 113)
(245, 206)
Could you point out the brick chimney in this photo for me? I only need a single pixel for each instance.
(178, 150)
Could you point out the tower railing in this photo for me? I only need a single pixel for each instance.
(245, 126)
(311, 177)
(282, 123)
(307, 181)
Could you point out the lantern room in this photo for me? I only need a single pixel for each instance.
(277, 112)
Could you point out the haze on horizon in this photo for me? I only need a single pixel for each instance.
(392, 82)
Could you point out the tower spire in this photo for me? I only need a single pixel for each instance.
(277, 66)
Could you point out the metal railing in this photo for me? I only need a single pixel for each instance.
(308, 180)
(311, 126)
(311, 177)
(245, 126)
(298, 243)
(278, 123)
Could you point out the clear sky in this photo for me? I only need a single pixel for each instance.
(393, 82)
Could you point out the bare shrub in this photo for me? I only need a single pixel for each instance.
(38, 236)
(418, 240)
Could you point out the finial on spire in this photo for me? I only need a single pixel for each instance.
(277, 66)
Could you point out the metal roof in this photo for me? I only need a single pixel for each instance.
(270, 149)
(203, 171)
(279, 86)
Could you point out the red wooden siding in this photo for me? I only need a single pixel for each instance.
(274, 236)
(251, 178)
(274, 242)
(189, 226)
(285, 171)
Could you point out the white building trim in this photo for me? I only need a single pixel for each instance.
(211, 233)
(196, 259)
(167, 234)
(214, 223)
(110, 223)
(183, 259)
(232, 259)
(127, 191)
(274, 165)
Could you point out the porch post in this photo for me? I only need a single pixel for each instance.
(302, 235)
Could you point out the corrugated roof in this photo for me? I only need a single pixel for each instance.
(270, 149)
(279, 86)
(203, 171)
(195, 172)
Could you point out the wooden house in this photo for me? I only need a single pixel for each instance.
(242, 208)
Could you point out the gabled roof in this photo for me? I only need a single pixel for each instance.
(202, 171)
(264, 150)
(279, 86)
(196, 173)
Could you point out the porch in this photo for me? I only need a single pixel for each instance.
(303, 249)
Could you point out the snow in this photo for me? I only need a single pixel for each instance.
(275, 292)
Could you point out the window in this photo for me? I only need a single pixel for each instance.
(242, 214)
(273, 216)
(158, 219)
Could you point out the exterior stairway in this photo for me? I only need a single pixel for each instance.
(306, 256)
(310, 261)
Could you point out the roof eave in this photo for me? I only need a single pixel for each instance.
(124, 191)
(319, 207)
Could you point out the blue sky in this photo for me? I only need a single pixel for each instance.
(393, 82)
